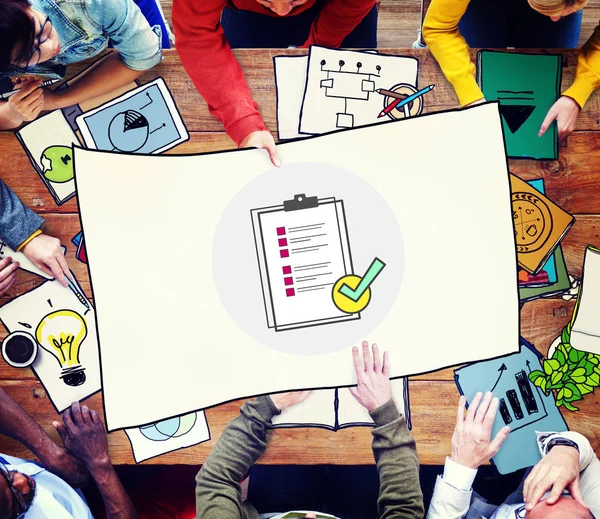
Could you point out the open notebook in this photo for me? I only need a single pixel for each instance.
(336, 409)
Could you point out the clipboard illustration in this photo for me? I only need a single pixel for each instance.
(303, 249)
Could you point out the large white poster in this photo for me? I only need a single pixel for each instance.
(234, 278)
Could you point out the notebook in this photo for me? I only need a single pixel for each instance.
(337, 409)
(539, 223)
(526, 86)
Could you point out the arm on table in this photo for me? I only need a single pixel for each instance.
(17, 424)
(336, 20)
(18, 223)
(587, 76)
(84, 436)
(440, 31)
(394, 449)
(218, 490)
(472, 446)
(211, 65)
(139, 49)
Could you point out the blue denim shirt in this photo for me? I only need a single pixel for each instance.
(85, 28)
(17, 221)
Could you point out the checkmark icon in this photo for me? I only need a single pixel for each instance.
(366, 281)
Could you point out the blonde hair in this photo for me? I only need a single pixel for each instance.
(556, 7)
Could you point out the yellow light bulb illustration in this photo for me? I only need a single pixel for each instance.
(61, 334)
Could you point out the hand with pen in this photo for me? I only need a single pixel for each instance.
(46, 254)
(24, 105)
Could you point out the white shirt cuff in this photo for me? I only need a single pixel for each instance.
(458, 475)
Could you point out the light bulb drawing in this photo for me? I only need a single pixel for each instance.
(61, 334)
(351, 83)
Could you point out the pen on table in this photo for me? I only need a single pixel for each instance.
(398, 103)
(75, 290)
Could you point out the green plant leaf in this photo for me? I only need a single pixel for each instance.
(561, 394)
(575, 355)
(572, 388)
(578, 375)
(571, 407)
(585, 389)
(594, 359)
(556, 377)
(543, 385)
(559, 403)
(593, 380)
(565, 368)
(565, 336)
(534, 375)
(550, 366)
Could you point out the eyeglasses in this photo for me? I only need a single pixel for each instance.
(17, 495)
(42, 37)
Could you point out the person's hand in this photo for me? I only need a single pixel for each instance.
(472, 443)
(83, 435)
(66, 466)
(265, 141)
(565, 111)
(8, 274)
(558, 470)
(373, 377)
(27, 103)
(284, 400)
(46, 254)
(51, 100)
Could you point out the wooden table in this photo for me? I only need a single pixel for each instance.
(573, 181)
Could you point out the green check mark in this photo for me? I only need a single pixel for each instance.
(367, 280)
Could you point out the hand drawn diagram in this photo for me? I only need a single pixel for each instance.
(144, 120)
(523, 407)
(346, 89)
(63, 324)
(168, 435)
(48, 143)
(305, 264)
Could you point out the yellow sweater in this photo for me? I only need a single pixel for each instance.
(440, 30)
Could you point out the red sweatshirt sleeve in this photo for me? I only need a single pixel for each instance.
(337, 19)
(211, 65)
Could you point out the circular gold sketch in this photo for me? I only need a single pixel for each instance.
(533, 222)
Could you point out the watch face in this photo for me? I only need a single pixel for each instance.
(532, 220)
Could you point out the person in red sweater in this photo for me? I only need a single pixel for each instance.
(207, 30)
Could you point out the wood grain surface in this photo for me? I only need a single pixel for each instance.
(573, 181)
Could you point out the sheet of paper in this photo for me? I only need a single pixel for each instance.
(523, 406)
(290, 81)
(168, 435)
(302, 253)
(53, 314)
(24, 262)
(341, 88)
(166, 343)
(585, 333)
(144, 120)
(47, 142)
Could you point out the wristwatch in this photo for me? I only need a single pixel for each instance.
(561, 441)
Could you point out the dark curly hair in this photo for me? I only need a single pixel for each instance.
(17, 32)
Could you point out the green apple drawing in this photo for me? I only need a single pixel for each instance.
(58, 163)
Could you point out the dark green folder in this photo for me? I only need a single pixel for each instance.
(562, 282)
(526, 86)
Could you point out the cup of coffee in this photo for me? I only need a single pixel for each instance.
(19, 349)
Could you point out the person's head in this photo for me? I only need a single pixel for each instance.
(16, 493)
(557, 9)
(564, 507)
(281, 7)
(22, 39)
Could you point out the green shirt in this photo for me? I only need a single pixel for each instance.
(218, 490)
